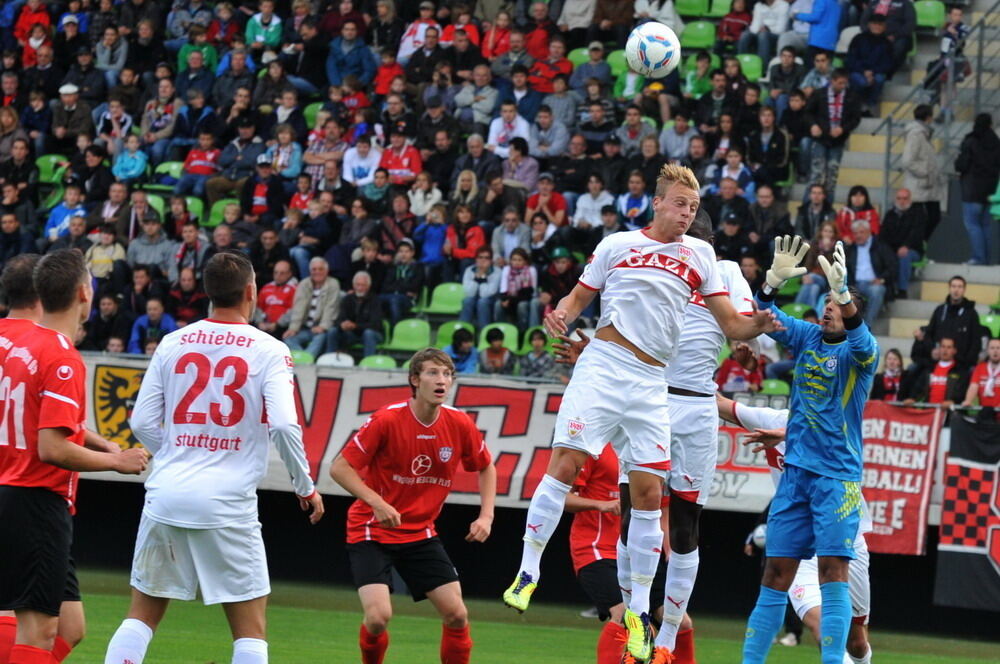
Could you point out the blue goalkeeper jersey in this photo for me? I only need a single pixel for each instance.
(829, 391)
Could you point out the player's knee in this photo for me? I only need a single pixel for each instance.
(566, 464)
(377, 619)
(777, 575)
(646, 495)
(833, 569)
(457, 616)
(686, 622)
(857, 643)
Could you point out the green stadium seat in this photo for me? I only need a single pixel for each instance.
(775, 386)
(196, 207)
(445, 300)
(310, 112)
(377, 362)
(992, 323)
(409, 335)
(302, 357)
(791, 288)
(49, 171)
(698, 34)
(751, 65)
(578, 56)
(691, 7)
(172, 168)
(510, 335)
(616, 60)
(930, 14)
(54, 198)
(719, 8)
(690, 62)
(447, 330)
(795, 309)
(215, 214)
(158, 203)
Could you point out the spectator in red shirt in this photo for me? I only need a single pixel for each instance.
(544, 71)
(32, 13)
(539, 31)
(985, 383)
(945, 383)
(202, 162)
(739, 372)
(401, 160)
(274, 302)
(547, 201)
(496, 41)
(388, 70)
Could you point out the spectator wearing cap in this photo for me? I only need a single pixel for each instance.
(70, 118)
(900, 24)
(528, 100)
(731, 241)
(237, 161)
(517, 54)
(475, 102)
(595, 68)
(558, 278)
(195, 118)
(87, 78)
(869, 62)
(158, 120)
(151, 247)
(505, 128)
(68, 42)
(545, 70)
(413, 37)
(434, 119)
(440, 163)
(548, 137)
(612, 166)
(262, 198)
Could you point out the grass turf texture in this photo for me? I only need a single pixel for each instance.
(308, 623)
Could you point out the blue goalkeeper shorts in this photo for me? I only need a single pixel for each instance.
(813, 515)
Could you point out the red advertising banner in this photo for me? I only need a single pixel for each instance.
(900, 449)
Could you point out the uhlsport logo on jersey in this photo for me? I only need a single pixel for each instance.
(420, 465)
(575, 427)
(444, 454)
(65, 372)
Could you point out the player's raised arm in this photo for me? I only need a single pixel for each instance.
(864, 347)
(788, 253)
(286, 433)
(740, 327)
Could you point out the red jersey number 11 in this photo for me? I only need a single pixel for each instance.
(204, 372)
(12, 413)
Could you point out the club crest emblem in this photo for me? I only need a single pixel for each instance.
(444, 454)
(576, 427)
(684, 253)
(831, 364)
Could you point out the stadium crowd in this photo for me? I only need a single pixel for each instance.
(363, 153)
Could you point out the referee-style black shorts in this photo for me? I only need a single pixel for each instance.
(599, 581)
(423, 565)
(36, 531)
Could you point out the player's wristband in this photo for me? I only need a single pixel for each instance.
(843, 298)
(766, 293)
(853, 322)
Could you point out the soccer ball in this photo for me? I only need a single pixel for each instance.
(760, 536)
(652, 50)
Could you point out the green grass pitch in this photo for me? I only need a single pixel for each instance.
(319, 624)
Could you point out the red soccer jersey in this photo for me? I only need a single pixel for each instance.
(411, 466)
(939, 382)
(43, 386)
(594, 535)
(987, 377)
(275, 300)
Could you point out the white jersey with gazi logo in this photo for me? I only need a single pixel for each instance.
(214, 396)
(645, 286)
(701, 340)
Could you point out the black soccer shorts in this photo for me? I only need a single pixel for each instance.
(599, 581)
(36, 570)
(423, 565)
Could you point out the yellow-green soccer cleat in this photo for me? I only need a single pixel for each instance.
(640, 636)
(519, 593)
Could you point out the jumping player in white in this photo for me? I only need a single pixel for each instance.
(215, 394)
(645, 279)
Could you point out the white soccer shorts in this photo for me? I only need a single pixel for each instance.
(615, 397)
(694, 446)
(805, 593)
(228, 564)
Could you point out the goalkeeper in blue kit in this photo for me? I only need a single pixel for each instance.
(816, 508)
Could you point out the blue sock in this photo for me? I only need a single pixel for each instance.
(763, 625)
(835, 621)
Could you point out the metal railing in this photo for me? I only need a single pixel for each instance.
(958, 100)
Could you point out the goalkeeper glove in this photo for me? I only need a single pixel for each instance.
(788, 253)
(836, 275)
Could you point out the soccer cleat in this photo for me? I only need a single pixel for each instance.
(519, 593)
(640, 636)
(661, 655)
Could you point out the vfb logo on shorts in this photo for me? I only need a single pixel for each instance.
(575, 427)
(420, 464)
(444, 454)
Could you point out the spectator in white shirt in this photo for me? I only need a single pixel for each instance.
(361, 162)
(770, 20)
(589, 205)
(506, 127)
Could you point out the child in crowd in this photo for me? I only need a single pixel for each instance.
(462, 352)
(101, 257)
(303, 192)
(130, 164)
(495, 358)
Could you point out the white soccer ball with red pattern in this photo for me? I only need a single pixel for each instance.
(653, 50)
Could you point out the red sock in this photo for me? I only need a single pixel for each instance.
(456, 645)
(373, 647)
(8, 630)
(22, 654)
(610, 643)
(684, 648)
(60, 649)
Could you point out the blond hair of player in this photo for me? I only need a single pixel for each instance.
(646, 279)
(216, 393)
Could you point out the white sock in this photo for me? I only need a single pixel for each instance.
(682, 568)
(867, 659)
(249, 651)
(129, 643)
(624, 573)
(645, 546)
(544, 513)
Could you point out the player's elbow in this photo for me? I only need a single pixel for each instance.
(338, 469)
(50, 447)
